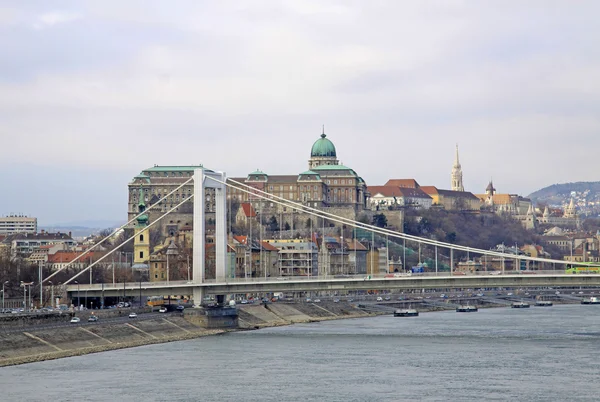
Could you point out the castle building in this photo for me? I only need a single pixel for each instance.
(511, 204)
(326, 184)
(456, 177)
(155, 182)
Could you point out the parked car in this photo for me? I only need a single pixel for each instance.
(132, 315)
(75, 320)
(336, 300)
(180, 308)
(162, 310)
(317, 300)
(387, 298)
(380, 298)
(93, 318)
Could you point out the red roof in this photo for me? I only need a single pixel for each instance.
(269, 247)
(248, 210)
(406, 183)
(240, 239)
(429, 189)
(386, 191)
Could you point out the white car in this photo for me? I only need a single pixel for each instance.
(380, 299)
(132, 315)
(75, 320)
(162, 310)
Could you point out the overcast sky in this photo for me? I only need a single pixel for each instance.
(91, 93)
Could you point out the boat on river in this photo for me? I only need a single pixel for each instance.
(466, 309)
(407, 312)
(591, 300)
(543, 303)
(520, 304)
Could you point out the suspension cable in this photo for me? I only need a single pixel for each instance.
(322, 214)
(115, 231)
(128, 240)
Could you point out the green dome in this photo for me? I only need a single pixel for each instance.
(323, 147)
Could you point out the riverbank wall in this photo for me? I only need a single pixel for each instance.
(24, 342)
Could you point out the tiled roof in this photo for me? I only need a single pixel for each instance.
(249, 212)
(429, 189)
(386, 191)
(456, 194)
(409, 183)
(269, 247)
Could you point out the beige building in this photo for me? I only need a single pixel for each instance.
(453, 200)
(17, 224)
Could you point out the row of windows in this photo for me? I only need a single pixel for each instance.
(169, 174)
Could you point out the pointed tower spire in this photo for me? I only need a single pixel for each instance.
(456, 160)
(456, 180)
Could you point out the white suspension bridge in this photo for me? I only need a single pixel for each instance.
(199, 286)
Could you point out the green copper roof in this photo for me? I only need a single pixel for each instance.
(323, 147)
(142, 220)
(175, 168)
(258, 172)
(309, 172)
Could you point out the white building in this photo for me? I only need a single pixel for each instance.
(17, 224)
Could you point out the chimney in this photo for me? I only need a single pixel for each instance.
(70, 234)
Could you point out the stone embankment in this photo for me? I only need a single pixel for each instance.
(254, 316)
(33, 339)
(31, 344)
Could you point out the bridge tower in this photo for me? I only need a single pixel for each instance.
(203, 180)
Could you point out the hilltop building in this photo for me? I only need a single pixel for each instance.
(456, 177)
(511, 204)
(326, 185)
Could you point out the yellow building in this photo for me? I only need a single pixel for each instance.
(141, 242)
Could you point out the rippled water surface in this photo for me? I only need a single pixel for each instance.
(536, 354)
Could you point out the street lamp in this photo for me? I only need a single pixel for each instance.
(51, 294)
(4, 283)
(24, 295)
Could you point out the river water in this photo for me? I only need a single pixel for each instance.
(535, 354)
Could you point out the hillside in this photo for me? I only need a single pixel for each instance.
(585, 193)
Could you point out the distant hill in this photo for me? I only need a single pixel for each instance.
(585, 193)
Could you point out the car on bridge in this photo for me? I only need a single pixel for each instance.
(93, 318)
(163, 309)
(132, 315)
(75, 320)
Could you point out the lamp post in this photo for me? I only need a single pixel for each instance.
(51, 294)
(140, 273)
(4, 283)
(24, 295)
(30, 295)
(342, 241)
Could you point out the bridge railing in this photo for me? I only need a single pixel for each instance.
(341, 278)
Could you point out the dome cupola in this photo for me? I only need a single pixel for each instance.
(323, 147)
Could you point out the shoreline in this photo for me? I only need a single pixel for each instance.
(279, 320)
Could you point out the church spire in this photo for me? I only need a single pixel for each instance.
(456, 160)
(456, 180)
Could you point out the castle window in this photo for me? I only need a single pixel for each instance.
(141, 237)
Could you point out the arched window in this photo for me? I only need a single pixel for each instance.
(141, 237)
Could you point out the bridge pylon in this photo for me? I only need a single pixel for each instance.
(202, 180)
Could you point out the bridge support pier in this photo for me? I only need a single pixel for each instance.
(198, 296)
